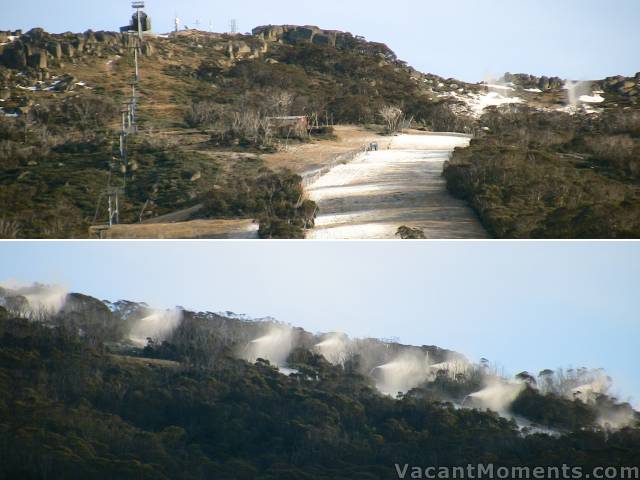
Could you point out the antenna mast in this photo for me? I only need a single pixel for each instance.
(233, 26)
(138, 5)
(129, 121)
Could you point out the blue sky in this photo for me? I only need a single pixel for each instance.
(466, 39)
(525, 306)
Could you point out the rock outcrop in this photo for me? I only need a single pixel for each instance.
(39, 50)
(628, 87)
(531, 81)
(293, 34)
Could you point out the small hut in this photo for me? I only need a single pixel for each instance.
(287, 127)
(145, 23)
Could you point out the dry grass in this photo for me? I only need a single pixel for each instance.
(307, 157)
(197, 229)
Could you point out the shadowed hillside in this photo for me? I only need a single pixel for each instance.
(84, 395)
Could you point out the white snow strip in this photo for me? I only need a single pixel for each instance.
(499, 87)
(11, 39)
(10, 115)
(597, 98)
(533, 90)
(478, 103)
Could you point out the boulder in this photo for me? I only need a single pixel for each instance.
(321, 39)
(65, 83)
(79, 43)
(38, 60)
(68, 50)
(90, 37)
(543, 83)
(14, 56)
(55, 49)
(299, 35)
(147, 49)
(36, 34)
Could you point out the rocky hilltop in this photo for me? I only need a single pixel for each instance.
(39, 50)
(293, 34)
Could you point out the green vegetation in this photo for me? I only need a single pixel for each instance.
(553, 175)
(75, 402)
(55, 167)
(275, 199)
(408, 233)
(334, 85)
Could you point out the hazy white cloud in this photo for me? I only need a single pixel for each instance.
(498, 395)
(40, 298)
(158, 326)
(334, 347)
(275, 346)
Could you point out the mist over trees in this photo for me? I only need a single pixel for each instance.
(80, 399)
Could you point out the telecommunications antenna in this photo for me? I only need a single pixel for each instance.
(138, 5)
(114, 192)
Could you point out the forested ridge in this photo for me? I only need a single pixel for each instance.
(79, 400)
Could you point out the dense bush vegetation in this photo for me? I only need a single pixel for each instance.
(336, 85)
(71, 409)
(553, 175)
(275, 199)
(54, 166)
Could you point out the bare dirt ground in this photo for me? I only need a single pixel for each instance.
(309, 157)
(378, 192)
(197, 229)
(147, 362)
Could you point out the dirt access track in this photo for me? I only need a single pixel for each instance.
(377, 192)
(309, 157)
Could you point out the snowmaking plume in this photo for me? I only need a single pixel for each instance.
(498, 395)
(576, 90)
(453, 366)
(33, 301)
(334, 348)
(589, 393)
(158, 327)
(275, 345)
(617, 417)
(405, 372)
